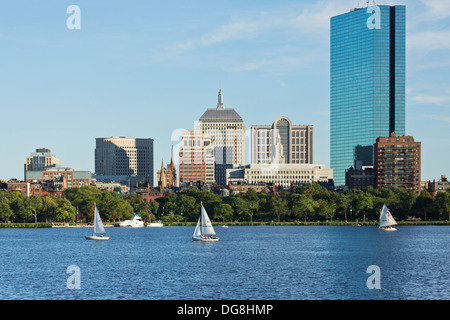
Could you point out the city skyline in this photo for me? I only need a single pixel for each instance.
(150, 71)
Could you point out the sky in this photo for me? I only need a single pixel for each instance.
(147, 69)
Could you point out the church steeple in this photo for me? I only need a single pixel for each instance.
(220, 102)
(162, 177)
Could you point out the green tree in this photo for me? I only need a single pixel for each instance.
(362, 202)
(424, 204)
(15, 203)
(280, 206)
(171, 218)
(306, 205)
(34, 203)
(223, 211)
(326, 209)
(250, 195)
(343, 204)
(49, 206)
(64, 210)
(188, 206)
(85, 197)
(144, 210)
(5, 211)
(241, 208)
(442, 203)
(367, 204)
(253, 207)
(154, 206)
(403, 201)
(120, 210)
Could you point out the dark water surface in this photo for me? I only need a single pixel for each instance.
(261, 262)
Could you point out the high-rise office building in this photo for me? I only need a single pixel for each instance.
(40, 160)
(282, 142)
(118, 158)
(226, 129)
(223, 160)
(367, 83)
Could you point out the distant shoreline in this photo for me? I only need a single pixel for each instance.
(228, 224)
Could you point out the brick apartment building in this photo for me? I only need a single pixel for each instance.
(397, 162)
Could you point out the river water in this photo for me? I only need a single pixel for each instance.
(249, 263)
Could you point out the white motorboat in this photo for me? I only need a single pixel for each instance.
(99, 231)
(154, 224)
(135, 222)
(204, 230)
(386, 220)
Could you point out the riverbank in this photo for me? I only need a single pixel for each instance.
(26, 225)
(309, 223)
(228, 224)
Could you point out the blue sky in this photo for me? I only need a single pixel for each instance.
(147, 69)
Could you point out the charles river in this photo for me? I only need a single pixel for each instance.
(249, 263)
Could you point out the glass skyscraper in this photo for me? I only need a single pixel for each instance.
(367, 83)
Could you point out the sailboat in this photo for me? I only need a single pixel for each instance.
(99, 230)
(386, 220)
(204, 230)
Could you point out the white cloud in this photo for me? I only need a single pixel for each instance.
(429, 99)
(236, 29)
(278, 64)
(429, 41)
(436, 117)
(317, 18)
(297, 20)
(437, 9)
(251, 66)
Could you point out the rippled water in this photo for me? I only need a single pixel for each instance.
(261, 262)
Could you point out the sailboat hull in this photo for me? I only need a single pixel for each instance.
(205, 239)
(387, 228)
(96, 238)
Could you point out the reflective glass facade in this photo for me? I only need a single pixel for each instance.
(367, 83)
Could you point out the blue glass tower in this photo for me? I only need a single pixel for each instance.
(367, 93)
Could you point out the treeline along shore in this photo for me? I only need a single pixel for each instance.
(306, 205)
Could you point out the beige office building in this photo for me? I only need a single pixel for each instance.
(120, 156)
(226, 130)
(282, 142)
(40, 160)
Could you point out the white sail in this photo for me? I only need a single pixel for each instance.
(386, 218)
(98, 225)
(207, 228)
(197, 231)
